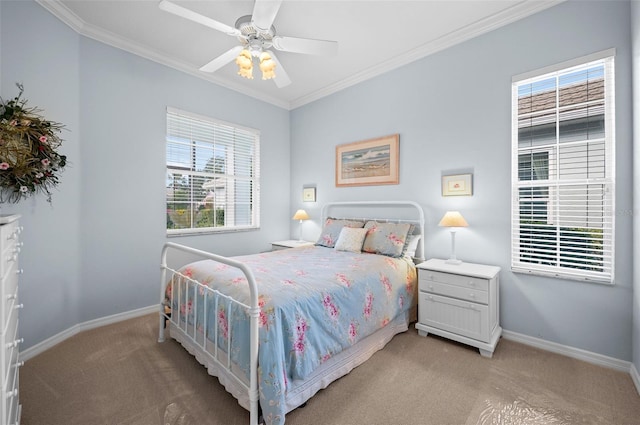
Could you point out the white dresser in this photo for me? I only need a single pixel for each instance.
(460, 302)
(9, 307)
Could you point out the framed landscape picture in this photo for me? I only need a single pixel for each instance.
(369, 162)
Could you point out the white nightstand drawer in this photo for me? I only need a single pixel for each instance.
(455, 279)
(454, 291)
(276, 246)
(461, 317)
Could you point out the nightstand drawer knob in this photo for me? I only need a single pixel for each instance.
(472, 295)
(472, 283)
(430, 298)
(431, 287)
(12, 394)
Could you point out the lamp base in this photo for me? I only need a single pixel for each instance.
(453, 261)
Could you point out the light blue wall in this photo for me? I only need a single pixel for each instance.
(453, 113)
(97, 251)
(635, 42)
(41, 53)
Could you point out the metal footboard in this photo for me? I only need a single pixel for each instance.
(211, 349)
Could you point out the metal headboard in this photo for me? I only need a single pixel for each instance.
(419, 221)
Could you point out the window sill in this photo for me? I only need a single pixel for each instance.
(199, 232)
(567, 276)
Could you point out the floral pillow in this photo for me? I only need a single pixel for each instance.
(386, 238)
(351, 239)
(332, 228)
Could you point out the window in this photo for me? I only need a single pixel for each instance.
(213, 175)
(563, 170)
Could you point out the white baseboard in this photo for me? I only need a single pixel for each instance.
(91, 324)
(565, 350)
(635, 377)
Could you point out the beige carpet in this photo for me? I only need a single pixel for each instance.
(119, 374)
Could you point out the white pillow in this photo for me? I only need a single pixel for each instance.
(412, 245)
(351, 239)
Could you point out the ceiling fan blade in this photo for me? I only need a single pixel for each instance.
(264, 13)
(281, 79)
(306, 45)
(170, 7)
(222, 60)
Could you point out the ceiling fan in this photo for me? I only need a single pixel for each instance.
(257, 36)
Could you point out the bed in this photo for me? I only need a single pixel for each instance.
(277, 327)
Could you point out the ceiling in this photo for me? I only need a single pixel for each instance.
(373, 36)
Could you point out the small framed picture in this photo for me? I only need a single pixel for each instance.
(309, 194)
(457, 185)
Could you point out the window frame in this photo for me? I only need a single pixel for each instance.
(556, 184)
(229, 175)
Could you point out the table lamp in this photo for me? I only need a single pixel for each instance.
(453, 220)
(301, 215)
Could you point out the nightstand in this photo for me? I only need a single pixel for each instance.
(460, 302)
(275, 246)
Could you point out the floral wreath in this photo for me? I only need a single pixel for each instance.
(29, 163)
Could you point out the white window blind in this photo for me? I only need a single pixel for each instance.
(213, 175)
(563, 172)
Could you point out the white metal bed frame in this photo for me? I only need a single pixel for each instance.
(218, 360)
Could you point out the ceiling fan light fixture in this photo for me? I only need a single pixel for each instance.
(267, 66)
(257, 36)
(245, 64)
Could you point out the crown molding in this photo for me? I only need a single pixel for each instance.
(63, 13)
(507, 16)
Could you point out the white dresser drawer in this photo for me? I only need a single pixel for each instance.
(454, 279)
(8, 295)
(10, 247)
(454, 291)
(460, 317)
(11, 400)
(11, 344)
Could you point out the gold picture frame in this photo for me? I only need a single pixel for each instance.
(369, 162)
(457, 185)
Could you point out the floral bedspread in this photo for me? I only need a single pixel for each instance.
(314, 302)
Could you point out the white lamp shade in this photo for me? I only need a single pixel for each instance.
(453, 219)
(301, 215)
